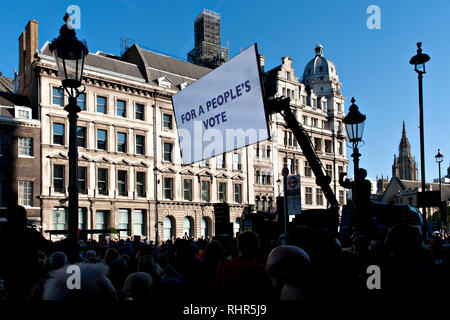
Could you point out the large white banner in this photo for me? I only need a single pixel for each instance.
(221, 111)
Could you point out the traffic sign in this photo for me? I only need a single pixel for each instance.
(293, 193)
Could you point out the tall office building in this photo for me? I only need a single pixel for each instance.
(207, 51)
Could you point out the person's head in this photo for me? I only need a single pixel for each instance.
(360, 245)
(247, 243)
(111, 255)
(57, 260)
(402, 240)
(139, 286)
(16, 217)
(213, 252)
(286, 264)
(298, 234)
(147, 265)
(90, 254)
(362, 173)
(93, 285)
(324, 249)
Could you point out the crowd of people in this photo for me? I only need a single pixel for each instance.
(312, 265)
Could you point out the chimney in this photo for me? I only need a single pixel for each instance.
(28, 45)
(261, 62)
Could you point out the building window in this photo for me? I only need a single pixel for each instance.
(81, 137)
(317, 144)
(308, 195)
(101, 139)
(238, 193)
(167, 121)
(82, 221)
(188, 227)
(102, 181)
(123, 221)
(82, 174)
(221, 162)
(101, 220)
(23, 113)
(58, 178)
(167, 152)
(168, 188)
(25, 147)
(140, 145)
(169, 227)
(101, 105)
(205, 228)
(139, 111)
(121, 142)
(315, 122)
(139, 222)
(60, 219)
(340, 148)
(81, 101)
(328, 146)
(187, 189)
(341, 196)
(308, 172)
(329, 170)
(340, 170)
(140, 184)
(204, 163)
(58, 97)
(121, 108)
(237, 226)
(222, 192)
(290, 165)
(25, 193)
(122, 182)
(319, 197)
(205, 191)
(237, 161)
(58, 133)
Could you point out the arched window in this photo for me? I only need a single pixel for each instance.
(169, 227)
(237, 226)
(188, 227)
(206, 227)
(270, 204)
(263, 205)
(257, 202)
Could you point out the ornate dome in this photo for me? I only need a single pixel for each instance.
(320, 68)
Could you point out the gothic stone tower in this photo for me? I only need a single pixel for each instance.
(404, 166)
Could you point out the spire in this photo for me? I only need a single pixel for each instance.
(403, 130)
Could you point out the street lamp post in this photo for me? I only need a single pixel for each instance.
(354, 125)
(419, 61)
(439, 158)
(70, 54)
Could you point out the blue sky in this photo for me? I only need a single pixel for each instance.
(373, 65)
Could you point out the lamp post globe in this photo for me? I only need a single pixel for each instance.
(354, 124)
(70, 54)
(419, 59)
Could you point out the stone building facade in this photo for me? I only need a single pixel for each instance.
(130, 170)
(20, 176)
(318, 104)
